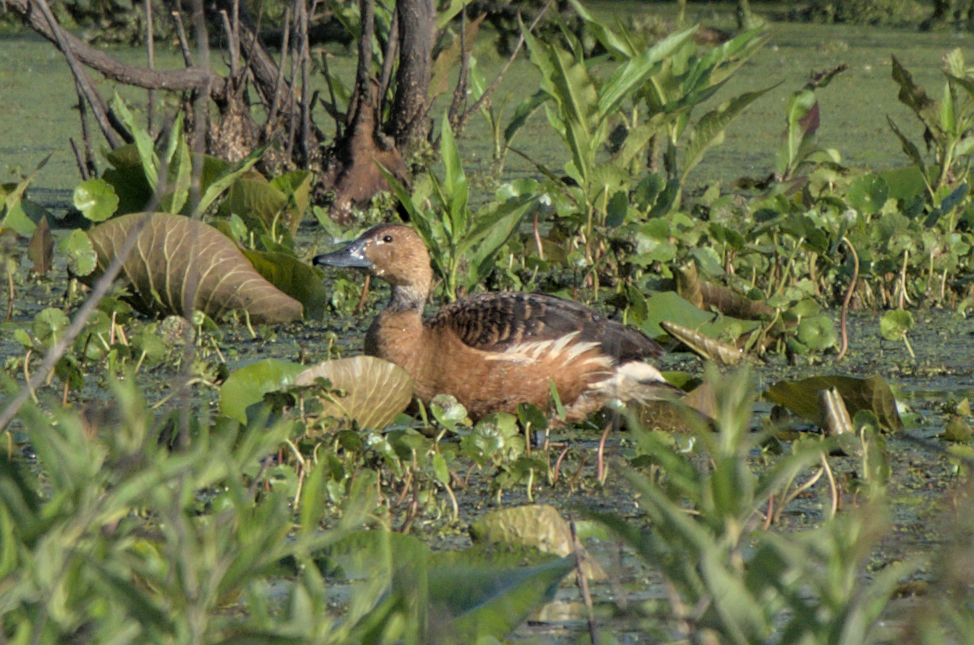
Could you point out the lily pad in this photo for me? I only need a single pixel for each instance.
(159, 269)
(868, 193)
(871, 394)
(895, 324)
(81, 255)
(96, 199)
(249, 384)
(374, 391)
(817, 332)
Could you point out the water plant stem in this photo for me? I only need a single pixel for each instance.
(848, 299)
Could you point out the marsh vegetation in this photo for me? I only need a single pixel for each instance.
(788, 211)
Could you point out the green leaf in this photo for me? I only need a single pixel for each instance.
(226, 176)
(868, 193)
(630, 76)
(709, 130)
(96, 199)
(817, 333)
(895, 324)
(180, 169)
(293, 277)
(143, 143)
(248, 385)
(82, 258)
(484, 601)
(455, 182)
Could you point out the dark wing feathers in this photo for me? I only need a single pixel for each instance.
(496, 321)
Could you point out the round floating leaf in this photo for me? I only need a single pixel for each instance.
(48, 325)
(817, 333)
(82, 258)
(160, 267)
(248, 385)
(868, 193)
(96, 199)
(895, 324)
(375, 391)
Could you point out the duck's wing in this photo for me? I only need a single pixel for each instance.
(501, 320)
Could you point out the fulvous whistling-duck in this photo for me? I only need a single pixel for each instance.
(494, 350)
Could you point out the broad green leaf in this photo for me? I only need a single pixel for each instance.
(96, 199)
(482, 602)
(180, 169)
(455, 182)
(868, 193)
(817, 332)
(620, 46)
(293, 277)
(249, 384)
(226, 176)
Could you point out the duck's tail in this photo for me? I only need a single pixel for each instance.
(637, 382)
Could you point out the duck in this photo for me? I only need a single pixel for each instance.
(494, 350)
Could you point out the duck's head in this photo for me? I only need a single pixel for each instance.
(392, 252)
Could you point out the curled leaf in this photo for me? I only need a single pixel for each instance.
(373, 391)
(871, 394)
(173, 253)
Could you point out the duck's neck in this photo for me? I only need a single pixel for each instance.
(407, 299)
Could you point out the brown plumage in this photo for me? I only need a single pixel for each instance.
(495, 350)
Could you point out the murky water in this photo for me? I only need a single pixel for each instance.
(38, 99)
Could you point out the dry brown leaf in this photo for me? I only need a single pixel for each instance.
(41, 248)
(375, 391)
(160, 269)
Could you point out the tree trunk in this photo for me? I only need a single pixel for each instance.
(417, 24)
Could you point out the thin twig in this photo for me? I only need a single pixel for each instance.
(101, 288)
(234, 60)
(388, 60)
(593, 626)
(510, 61)
(86, 133)
(183, 43)
(82, 78)
(305, 140)
(848, 299)
(460, 91)
(82, 169)
(151, 53)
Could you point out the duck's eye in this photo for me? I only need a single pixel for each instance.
(387, 239)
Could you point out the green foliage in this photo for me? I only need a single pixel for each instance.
(463, 245)
(802, 118)
(947, 123)
(733, 583)
(79, 557)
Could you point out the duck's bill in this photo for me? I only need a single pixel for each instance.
(351, 256)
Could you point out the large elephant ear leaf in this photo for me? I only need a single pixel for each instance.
(372, 391)
(160, 269)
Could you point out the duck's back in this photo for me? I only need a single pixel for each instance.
(498, 321)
